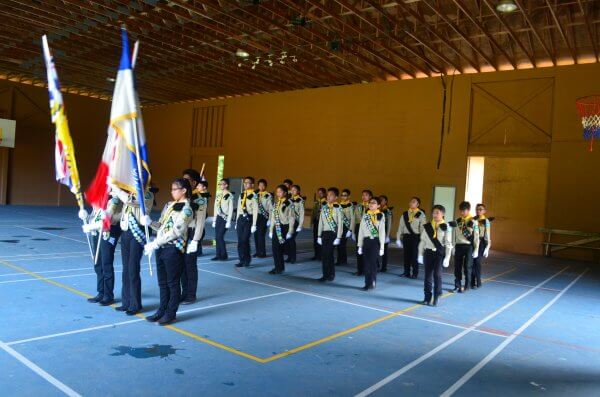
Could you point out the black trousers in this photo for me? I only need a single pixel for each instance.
(316, 246)
(104, 266)
(463, 261)
(260, 235)
(244, 224)
(220, 238)
(433, 273)
(342, 257)
(476, 272)
(168, 271)
(327, 238)
(290, 247)
(189, 272)
(384, 258)
(360, 265)
(371, 260)
(279, 248)
(131, 256)
(410, 242)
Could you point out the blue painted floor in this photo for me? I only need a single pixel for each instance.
(532, 329)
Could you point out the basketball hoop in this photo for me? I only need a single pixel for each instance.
(589, 111)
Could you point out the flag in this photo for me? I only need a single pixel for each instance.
(65, 164)
(125, 159)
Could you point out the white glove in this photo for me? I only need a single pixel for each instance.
(319, 241)
(420, 259)
(270, 234)
(82, 214)
(234, 226)
(228, 225)
(336, 241)
(475, 254)
(146, 220)
(399, 243)
(380, 252)
(253, 229)
(214, 224)
(446, 262)
(192, 247)
(289, 236)
(89, 227)
(387, 240)
(359, 250)
(353, 237)
(150, 247)
(299, 229)
(486, 252)
(268, 223)
(348, 234)
(453, 249)
(121, 194)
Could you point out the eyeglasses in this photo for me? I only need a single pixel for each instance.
(177, 188)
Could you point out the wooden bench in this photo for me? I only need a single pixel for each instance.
(586, 238)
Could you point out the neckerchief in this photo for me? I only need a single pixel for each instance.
(277, 216)
(219, 201)
(328, 212)
(295, 205)
(435, 226)
(261, 207)
(346, 218)
(370, 218)
(166, 223)
(462, 224)
(245, 196)
(412, 213)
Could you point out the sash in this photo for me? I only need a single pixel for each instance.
(438, 246)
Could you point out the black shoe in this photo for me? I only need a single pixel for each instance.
(215, 258)
(383, 270)
(365, 288)
(288, 260)
(166, 320)
(239, 265)
(478, 285)
(154, 318)
(291, 261)
(273, 271)
(465, 289)
(358, 273)
(255, 255)
(187, 301)
(278, 271)
(331, 279)
(132, 312)
(95, 299)
(314, 258)
(435, 301)
(106, 302)
(426, 302)
(414, 276)
(457, 289)
(262, 256)
(322, 280)
(407, 275)
(121, 309)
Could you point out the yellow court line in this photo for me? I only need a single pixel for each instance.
(239, 352)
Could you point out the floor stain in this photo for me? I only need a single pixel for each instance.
(50, 228)
(179, 371)
(88, 316)
(10, 241)
(162, 351)
(40, 239)
(229, 383)
(21, 236)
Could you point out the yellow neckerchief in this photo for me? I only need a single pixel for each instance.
(262, 193)
(323, 200)
(246, 192)
(167, 214)
(295, 196)
(196, 191)
(330, 205)
(344, 202)
(280, 201)
(412, 213)
(373, 215)
(481, 217)
(435, 226)
(465, 220)
(220, 197)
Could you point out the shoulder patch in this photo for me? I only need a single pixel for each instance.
(379, 216)
(178, 206)
(336, 205)
(418, 214)
(250, 196)
(206, 195)
(226, 197)
(354, 203)
(195, 207)
(444, 226)
(470, 224)
(453, 223)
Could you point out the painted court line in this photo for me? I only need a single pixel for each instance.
(41, 254)
(52, 234)
(450, 341)
(45, 375)
(473, 371)
(78, 331)
(52, 278)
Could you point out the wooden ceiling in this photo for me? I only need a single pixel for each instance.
(187, 47)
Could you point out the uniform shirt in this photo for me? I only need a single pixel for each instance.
(389, 217)
(224, 205)
(316, 212)
(360, 210)
(131, 210)
(372, 226)
(484, 228)
(348, 214)
(330, 220)
(282, 213)
(248, 205)
(416, 220)
(298, 209)
(465, 231)
(114, 207)
(265, 203)
(173, 224)
(443, 233)
(200, 205)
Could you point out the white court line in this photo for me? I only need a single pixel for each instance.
(51, 379)
(354, 304)
(47, 258)
(450, 341)
(78, 331)
(41, 254)
(51, 278)
(459, 383)
(52, 234)
(525, 285)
